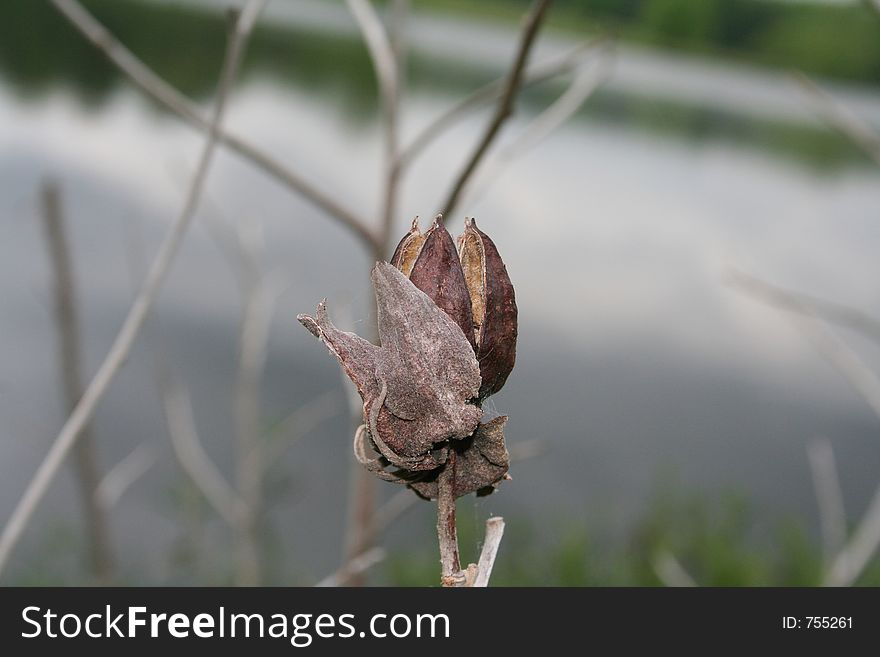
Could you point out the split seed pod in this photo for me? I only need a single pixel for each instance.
(430, 261)
(471, 284)
(493, 307)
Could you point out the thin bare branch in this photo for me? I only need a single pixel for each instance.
(492, 91)
(844, 359)
(253, 349)
(826, 483)
(195, 461)
(358, 565)
(67, 324)
(123, 475)
(134, 321)
(298, 423)
(505, 106)
(378, 45)
(398, 504)
(491, 543)
(386, 52)
(804, 304)
(848, 363)
(158, 89)
(839, 117)
(670, 571)
(861, 548)
(581, 88)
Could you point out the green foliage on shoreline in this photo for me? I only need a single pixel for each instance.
(827, 40)
(716, 542)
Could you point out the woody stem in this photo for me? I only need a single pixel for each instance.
(446, 526)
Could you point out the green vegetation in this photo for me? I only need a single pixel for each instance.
(834, 40)
(718, 543)
(40, 51)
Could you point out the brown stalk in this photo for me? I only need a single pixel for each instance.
(67, 323)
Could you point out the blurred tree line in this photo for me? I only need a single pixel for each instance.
(840, 40)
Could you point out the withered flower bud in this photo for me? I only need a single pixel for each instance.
(447, 329)
(493, 307)
(471, 284)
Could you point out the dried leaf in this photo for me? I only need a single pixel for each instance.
(418, 384)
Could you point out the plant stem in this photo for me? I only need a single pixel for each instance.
(447, 534)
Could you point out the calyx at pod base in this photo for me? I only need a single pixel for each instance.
(447, 321)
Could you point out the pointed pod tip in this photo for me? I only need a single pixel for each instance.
(438, 220)
(469, 222)
(310, 323)
(414, 226)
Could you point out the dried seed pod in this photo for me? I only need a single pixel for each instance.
(493, 307)
(481, 463)
(430, 261)
(409, 249)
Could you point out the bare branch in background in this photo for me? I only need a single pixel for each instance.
(158, 89)
(298, 423)
(354, 568)
(861, 548)
(839, 117)
(123, 475)
(581, 88)
(670, 571)
(804, 304)
(193, 458)
(70, 363)
(838, 352)
(137, 314)
(832, 515)
(253, 342)
(492, 91)
(491, 543)
(852, 559)
(386, 49)
(505, 106)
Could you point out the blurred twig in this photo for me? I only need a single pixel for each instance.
(534, 19)
(839, 117)
(157, 88)
(850, 561)
(354, 567)
(252, 351)
(804, 304)
(192, 456)
(585, 82)
(119, 351)
(67, 325)
(386, 49)
(298, 423)
(832, 515)
(121, 476)
(670, 571)
(492, 91)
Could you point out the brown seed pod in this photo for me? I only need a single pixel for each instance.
(409, 249)
(431, 263)
(493, 307)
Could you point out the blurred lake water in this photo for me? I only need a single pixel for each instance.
(637, 361)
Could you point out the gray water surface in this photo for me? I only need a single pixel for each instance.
(636, 357)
